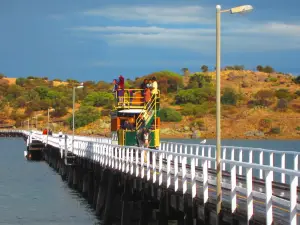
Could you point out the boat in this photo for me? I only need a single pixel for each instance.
(133, 119)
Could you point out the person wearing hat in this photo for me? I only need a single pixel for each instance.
(154, 86)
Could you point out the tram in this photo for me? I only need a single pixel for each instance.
(135, 121)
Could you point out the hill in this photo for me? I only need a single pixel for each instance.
(255, 104)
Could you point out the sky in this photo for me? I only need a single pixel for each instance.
(99, 40)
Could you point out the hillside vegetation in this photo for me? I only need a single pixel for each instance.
(255, 104)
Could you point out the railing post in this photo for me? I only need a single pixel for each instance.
(249, 194)
(296, 165)
(168, 170)
(184, 180)
(224, 157)
(176, 172)
(233, 187)
(131, 161)
(209, 156)
(136, 162)
(148, 165)
(160, 168)
(241, 160)
(142, 163)
(272, 163)
(120, 157)
(154, 167)
(293, 200)
(269, 207)
(261, 162)
(180, 151)
(205, 180)
(283, 167)
(193, 176)
(171, 150)
(110, 153)
(127, 160)
(197, 153)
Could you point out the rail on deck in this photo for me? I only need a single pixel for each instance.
(183, 162)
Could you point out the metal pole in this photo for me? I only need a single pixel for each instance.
(218, 113)
(73, 127)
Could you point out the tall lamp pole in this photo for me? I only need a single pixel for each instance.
(239, 9)
(48, 121)
(73, 122)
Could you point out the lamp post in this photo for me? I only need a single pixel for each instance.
(49, 109)
(239, 9)
(73, 122)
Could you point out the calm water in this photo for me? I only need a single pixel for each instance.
(32, 193)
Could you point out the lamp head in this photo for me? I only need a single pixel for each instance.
(241, 9)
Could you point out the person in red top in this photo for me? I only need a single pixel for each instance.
(121, 82)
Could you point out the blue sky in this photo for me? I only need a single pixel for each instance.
(98, 40)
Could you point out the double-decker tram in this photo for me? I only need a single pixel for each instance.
(135, 118)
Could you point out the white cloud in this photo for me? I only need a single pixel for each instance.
(155, 14)
(272, 36)
(237, 34)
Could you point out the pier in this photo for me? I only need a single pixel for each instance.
(174, 184)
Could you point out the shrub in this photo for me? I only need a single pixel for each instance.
(195, 95)
(265, 124)
(195, 110)
(84, 116)
(298, 128)
(271, 79)
(229, 97)
(283, 93)
(98, 99)
(198, 124)
(1, 75)
(297, 93)
(170, 115)
(297, 79)
(282, 104)
(275, 130)
(199, 80)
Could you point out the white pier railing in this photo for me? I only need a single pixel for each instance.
(186, 169)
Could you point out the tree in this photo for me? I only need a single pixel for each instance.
(169, 114)
(297, 79)
(21, 81)
(260, 68)
(204, 68)
(184, 70)
(1, 76)
(268, 69)
(229, 97)
(98, 99)
(84, 116)
(199, 80)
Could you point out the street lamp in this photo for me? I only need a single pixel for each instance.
(239, 9)
(73, 124)
(49, 110)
